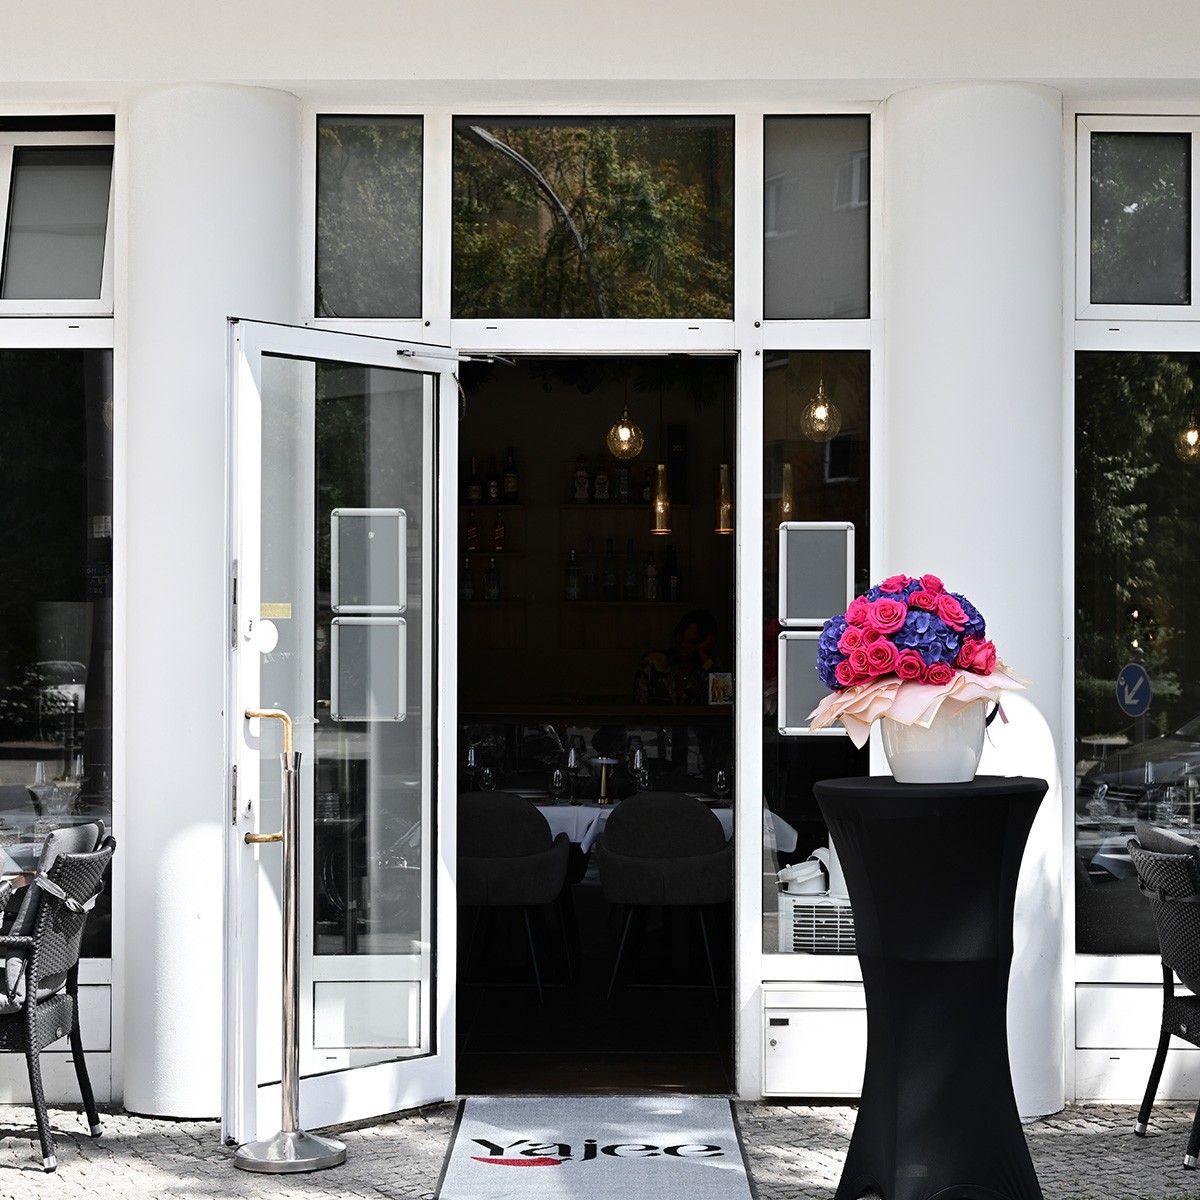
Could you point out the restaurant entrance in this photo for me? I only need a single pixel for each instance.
(595, 666)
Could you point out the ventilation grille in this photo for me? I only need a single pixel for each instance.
(815, 925)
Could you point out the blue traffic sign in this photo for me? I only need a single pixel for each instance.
(1133, 690)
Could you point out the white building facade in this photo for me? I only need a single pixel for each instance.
(978, 306)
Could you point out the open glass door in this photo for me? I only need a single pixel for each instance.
(334, 535)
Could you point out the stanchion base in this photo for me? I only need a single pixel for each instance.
(290, 1153)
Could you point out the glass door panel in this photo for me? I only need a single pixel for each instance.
(334, 522)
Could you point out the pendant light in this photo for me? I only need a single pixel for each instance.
(660, 496)
(787, 495)
(1187, 442)
(821, 418)
(625, 440)
(724, 522)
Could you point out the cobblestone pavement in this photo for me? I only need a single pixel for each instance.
(794, 1152)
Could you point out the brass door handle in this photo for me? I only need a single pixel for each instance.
(251, 838)
(279, 715)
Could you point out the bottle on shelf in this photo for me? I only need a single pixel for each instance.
(601, 489)
(672, 588)
(510, 485)
(471, 532)
(473, 491)
(629, 587)
(591, 572)
(574, 582)
(491, 486)
(621, 484)
(491, 581)
(650, 578)
(609, 588)
(466, 582)
(581, 482)
(499, 532)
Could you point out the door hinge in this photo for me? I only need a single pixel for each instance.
(233, 618)
(233, 811)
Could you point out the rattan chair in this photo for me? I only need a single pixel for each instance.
(39, 996)
(664, 849)
(1168, 871)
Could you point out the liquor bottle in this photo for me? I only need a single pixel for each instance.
(600, 483)
(474, 489)
(499, 532)
(510, 485)
(650, 578)
(630, 583)
(621, 484)
(491, 581)
(492, 483)
(673, 587)
(581, 482)
(574, 582)
(591, 573)
(608, 575)
(466, 582)
(472, 531)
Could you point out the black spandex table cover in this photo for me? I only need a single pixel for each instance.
(932, 874)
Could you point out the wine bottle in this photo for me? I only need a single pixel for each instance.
(581, 482)
(650, 578)
(510, 484)
(499, 531)
(491, 581)
(492, 484)
(573, 578)
(474, 489)
(608, 574)
(466, 582)
(630, 584)
(472, 531)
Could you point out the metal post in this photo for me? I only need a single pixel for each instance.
(291, 1150)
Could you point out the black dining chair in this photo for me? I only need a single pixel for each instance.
(507, 858)
(663, 850)
(40, 951)
(1168, 873)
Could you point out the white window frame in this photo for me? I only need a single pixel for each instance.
(748, 335)
(103, 304)
(1085, 310)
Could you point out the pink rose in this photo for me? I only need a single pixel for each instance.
(887, 615)
(859, 662)
(931, 583)
(846, 675)
(851, 639)
(895, 583)
(977, 655)
(870, 635)
(926, 600)
(951, 611)
(910, 664)
(856, 613)
(939, 673)
(882, 657)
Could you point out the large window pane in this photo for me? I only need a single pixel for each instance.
(807, 480)
(593, 218)
(1140, 230)
(58, 214)
(816, 217)
(369, 217)
(1137, 511)
(56, 603)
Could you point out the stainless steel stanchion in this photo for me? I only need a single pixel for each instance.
(291, 1150)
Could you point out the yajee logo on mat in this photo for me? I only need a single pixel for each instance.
(524, 1153)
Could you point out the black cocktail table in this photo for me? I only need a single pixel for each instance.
(932, 874)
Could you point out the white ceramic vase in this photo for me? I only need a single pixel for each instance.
(947, 752)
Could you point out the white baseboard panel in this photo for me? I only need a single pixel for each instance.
(1119, 1076)
(58, 1078)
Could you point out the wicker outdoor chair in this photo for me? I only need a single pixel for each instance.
(1168, 871)
(40, 952)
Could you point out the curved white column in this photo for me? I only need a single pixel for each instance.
(213, 184)
(972, 295)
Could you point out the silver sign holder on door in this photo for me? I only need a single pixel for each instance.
(291, 1150)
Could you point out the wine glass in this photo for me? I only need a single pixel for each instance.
(574, 762)
(471, 767)
(558, 784)
(487, 779)
(721, 784)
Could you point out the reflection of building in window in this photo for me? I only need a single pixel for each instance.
(839, 459)
(852, 182)
(774, 210)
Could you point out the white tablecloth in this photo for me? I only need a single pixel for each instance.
(583, 823)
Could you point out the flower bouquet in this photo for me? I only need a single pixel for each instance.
(907, 649)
